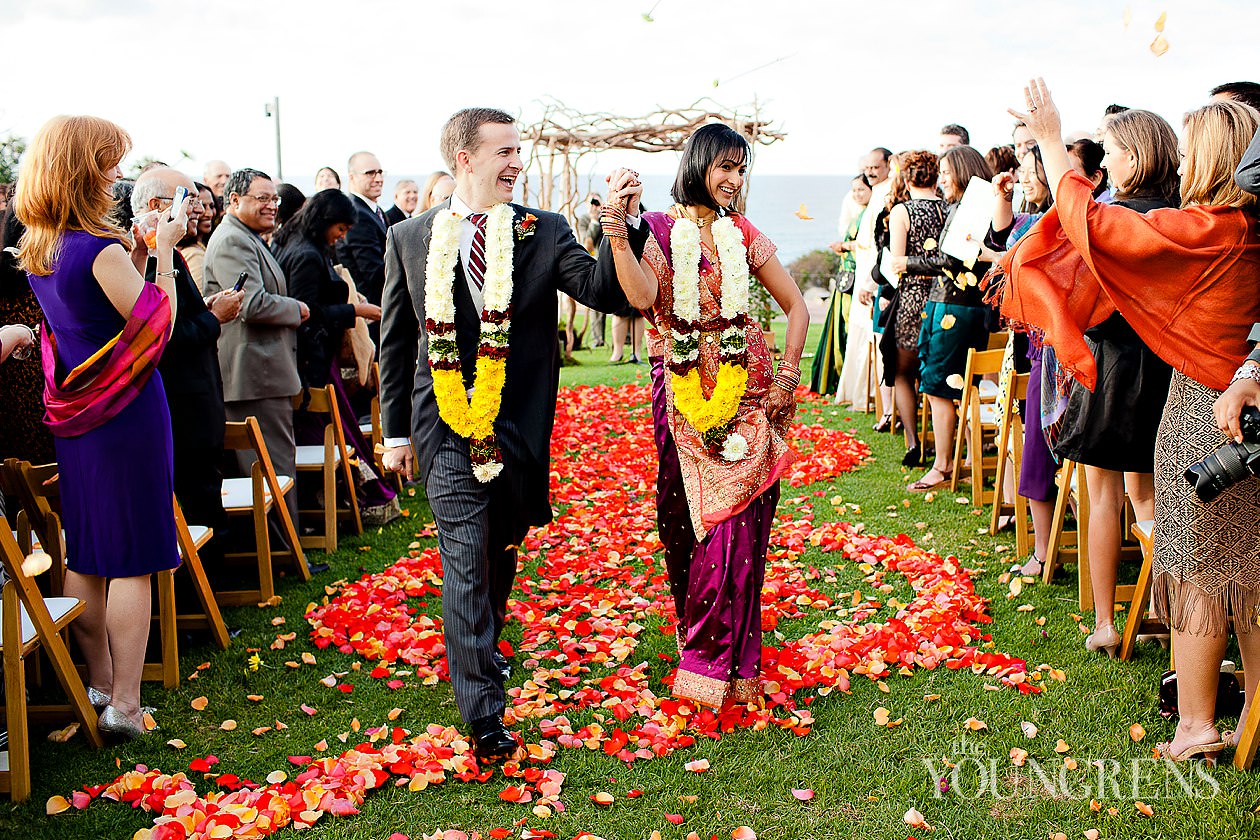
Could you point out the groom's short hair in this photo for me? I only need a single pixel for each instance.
(463, 130)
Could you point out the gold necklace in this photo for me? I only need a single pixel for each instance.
(698, 222)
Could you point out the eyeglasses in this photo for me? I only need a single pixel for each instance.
(372, 173)
(265, 199)
(195, 201)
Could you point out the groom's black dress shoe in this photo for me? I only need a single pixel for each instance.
(491, 739)
(501, 662)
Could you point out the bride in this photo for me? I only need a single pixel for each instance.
(720, 410)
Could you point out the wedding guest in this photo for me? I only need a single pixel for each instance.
(406, 199)
(1037, 469)
(718, 483)
(627, 329)
(953, 317)
(23, 434)
(1023, 141)
(1002, 159)
(111, 422)
(216, 176)
(193, 246)
(291, 201)
(953, 135)
(590, 233)
(1112, 429)
(1247, 176)
(190, 363)
(258, 350)
(437, 188)
(326, 178)
(1247, 93)
(829, 368)
(1086, 157)
(1185, 280)
(304, 249)
(866, 303)
(914, 228)
(362, 250)
(484, 492)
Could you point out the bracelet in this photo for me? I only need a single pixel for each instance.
(1247, 371)
(790, 387)
(170, 274)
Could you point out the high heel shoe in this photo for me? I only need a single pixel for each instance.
(97, 698)
(1208, 752)
(113, 721)
(913, 457)
(1107, 641)
(884, 424)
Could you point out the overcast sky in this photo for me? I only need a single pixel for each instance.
(350, 74)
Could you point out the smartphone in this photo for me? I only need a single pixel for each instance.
(180, 194)
(240, 281)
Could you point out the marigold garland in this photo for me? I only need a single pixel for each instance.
(473, 417)
(711, 416)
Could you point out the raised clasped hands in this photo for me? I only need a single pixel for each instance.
(625, 189)
(1042, 115)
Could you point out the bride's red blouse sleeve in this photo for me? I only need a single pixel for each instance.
(758, 245)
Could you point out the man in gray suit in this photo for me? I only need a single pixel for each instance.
(258, 350)
(481, 520)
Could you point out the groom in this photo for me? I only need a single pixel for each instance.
(481, 524)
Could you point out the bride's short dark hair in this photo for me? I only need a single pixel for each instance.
(709, 145)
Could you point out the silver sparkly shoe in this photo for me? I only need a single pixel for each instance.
(98, 699)
(113, 721)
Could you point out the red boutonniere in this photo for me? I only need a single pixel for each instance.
(526, 226)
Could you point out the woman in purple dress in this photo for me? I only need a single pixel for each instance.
(720, 410)
(105, 331)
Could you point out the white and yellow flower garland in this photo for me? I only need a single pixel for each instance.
(471, 418)
(712, 416)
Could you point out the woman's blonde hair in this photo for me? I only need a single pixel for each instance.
(65, 184)
(426, 194)
(1154, 145)
(1217, 135)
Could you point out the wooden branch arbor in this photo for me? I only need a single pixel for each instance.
(562, 136)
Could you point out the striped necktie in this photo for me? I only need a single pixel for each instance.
(477, 254)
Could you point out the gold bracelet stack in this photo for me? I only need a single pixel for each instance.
(788, 376)
(612, 218)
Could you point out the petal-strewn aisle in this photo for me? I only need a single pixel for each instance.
(591, 590)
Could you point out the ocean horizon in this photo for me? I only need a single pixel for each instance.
(773, 202)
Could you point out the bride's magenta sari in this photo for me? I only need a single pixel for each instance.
(714, 516)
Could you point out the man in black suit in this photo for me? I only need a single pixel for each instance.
(362, 251)
(480, 524)
(406, 200)
(190, 363)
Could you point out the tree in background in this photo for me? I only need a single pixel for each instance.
(11, 149)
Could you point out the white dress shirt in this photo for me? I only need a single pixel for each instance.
(372, 205)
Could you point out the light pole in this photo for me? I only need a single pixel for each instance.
(272, 109)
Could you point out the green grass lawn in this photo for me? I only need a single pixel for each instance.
(864, 777)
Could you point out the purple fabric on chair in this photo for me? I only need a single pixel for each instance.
(1036, 474)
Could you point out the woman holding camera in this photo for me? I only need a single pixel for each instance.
(104, 399)
(1185, 280)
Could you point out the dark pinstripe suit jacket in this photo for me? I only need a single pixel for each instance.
(547, 262)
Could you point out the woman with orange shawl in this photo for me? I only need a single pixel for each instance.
(1188, 281)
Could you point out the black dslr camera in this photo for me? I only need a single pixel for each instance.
(1231, 463)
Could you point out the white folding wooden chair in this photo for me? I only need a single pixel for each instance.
(327, 460)
(256, 496)
(29, 622)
